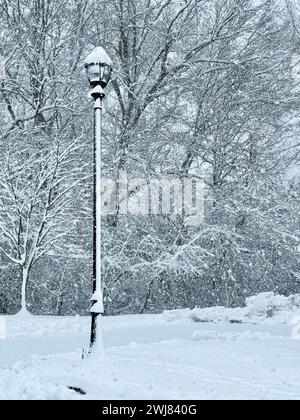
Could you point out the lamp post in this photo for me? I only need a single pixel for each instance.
(99, 69)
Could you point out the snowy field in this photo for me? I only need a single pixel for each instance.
(176, 355)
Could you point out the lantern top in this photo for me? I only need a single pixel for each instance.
(98, 56)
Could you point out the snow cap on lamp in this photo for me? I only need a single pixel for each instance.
(99, 67)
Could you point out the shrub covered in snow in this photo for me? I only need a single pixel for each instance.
(259, 308)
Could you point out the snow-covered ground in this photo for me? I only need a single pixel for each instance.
(168, 356)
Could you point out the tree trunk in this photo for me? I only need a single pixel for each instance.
(25, 275)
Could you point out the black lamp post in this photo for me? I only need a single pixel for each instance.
(99, 69)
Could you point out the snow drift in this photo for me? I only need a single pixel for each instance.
(265, 307)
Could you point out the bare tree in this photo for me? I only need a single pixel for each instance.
(36, 206)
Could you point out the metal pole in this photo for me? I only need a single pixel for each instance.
(97, 299)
